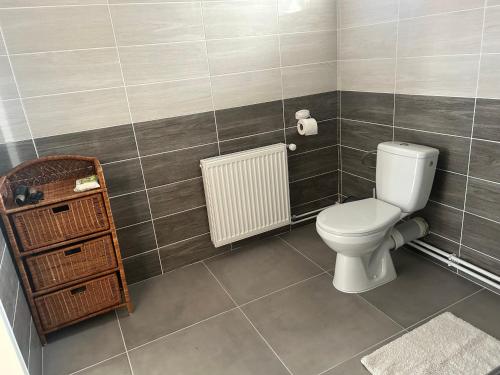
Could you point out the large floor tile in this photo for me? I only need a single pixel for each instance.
(115, 366)
(260, 268)
(82, 345)
(167, 303)
(224, 345)
(306, 240)
(421, 289)
(482, 310)
(312, 326)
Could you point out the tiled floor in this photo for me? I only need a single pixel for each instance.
(266, 308)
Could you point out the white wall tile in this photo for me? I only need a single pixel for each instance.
(34, 3)
(493, 2)
(246, 88)
(444, 34)
(489, 77)
(13, 126)
(69, 113)
(368, 42)
(491, 41)
(163, 62)
(307, 15)
(364, 12)
(441, 75)
(8, 88)
(243, 54)
(367, 75)
(309, 79)
(229, 19)
(58, 72)
(171, 99)
(307, 48)
(417, 8)
(157, 23)
(56, 28)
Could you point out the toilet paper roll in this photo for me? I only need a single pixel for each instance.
(307, 126)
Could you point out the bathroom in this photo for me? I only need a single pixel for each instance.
(152, 89)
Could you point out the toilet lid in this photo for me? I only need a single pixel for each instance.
(358, 218)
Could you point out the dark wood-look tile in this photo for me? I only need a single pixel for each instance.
(252, 119)
(449, 188)
(364, 136)
(442, 243)
(367, 106)
(351, 163)
(253, 141)
(439, 114)
(130, 209)
(181, 226)
(14, 153)
(142, 267)
(189, 251)
(107, 144)
(316, 205)
(356, 187)
(480, 260)
(322, 107)
(443, 220)
(123, 177)
(327, 136)
(482, 235)
(136, 239)
(453, 151)
(487, 119)
(175, 133)
(313, 163)
(485, 160)
(176, 166)
(313, 188)
(483, 199)
(258, 237)
(176, 197)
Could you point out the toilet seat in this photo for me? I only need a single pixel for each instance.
(360, 218)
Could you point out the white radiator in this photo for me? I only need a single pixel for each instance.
(246, 192)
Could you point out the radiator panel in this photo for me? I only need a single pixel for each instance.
(246, 192)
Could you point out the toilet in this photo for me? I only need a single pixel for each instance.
(363, 232)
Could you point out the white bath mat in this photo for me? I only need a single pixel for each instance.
(445, 345)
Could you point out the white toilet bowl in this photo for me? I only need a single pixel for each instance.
(359, 233)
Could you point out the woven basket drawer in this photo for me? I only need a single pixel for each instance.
(72, 263)
(70, 304)
(60, 222)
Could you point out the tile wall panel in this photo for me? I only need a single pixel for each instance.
(151, 97)
(445, 95)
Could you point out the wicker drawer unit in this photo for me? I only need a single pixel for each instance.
(65, 246)
(70, 304)
(71, 263)
(60, 222)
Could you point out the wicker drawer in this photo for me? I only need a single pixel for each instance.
(72, 263)
(60, 222)
(64, 306)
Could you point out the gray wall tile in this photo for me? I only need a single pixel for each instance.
(253, 141)
(351, 163)
(22, 323)
(309, 79)
(30, 3)
(480, 260)
(322, 107)
(310, 189)
(412, 8)
(443, 220)
(309, 47)
(356, 187)
(485, 160)
(364, 136)
(368, 42)
(123, 177)
(328, 137)
(486, 240)
(483, 199)
(364, 12)
(489, 76)
(56, 28)
(13, 126)
(491, 38)
(14, 153)
(58, 72)
(313, 15)
(373, 75)
(130, 209)
(176, 197)
(370, 107)
(177, 227)
(136, 239)
(8, 88)
(313, 163)
(36, 361)
(435, 113)
(487, 119)
(8, 286)
(449, 189)
(151, 23)
(142, 267)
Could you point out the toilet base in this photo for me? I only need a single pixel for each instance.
(357, 275)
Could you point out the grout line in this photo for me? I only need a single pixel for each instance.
(355, 175)
(21, 101)
(316, 200)
(248, 319)
(281, 77)
(29, 341)
(98, 363)
(15, 306)
(379, 310)
(298, 251)
(124, 344)
(314, 150)
(472, 130)
(133, 130)
(314, 176)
